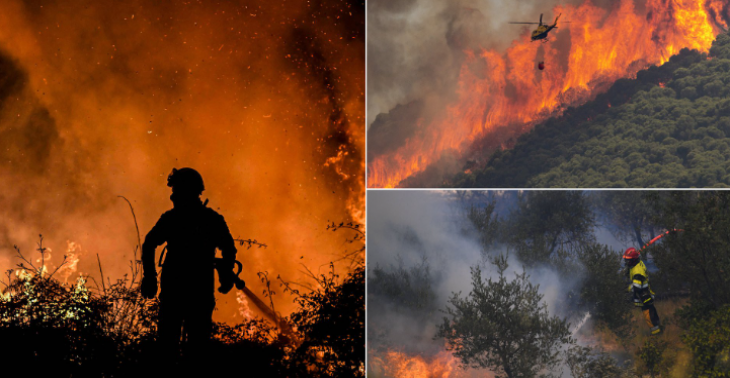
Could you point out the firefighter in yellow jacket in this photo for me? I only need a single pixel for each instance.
(642, 294)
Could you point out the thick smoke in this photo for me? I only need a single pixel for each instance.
(265, 99)
(406, 227)
(415, 48)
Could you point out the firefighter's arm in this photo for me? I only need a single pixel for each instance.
(228, 251)
(154, 239)
(638, 283)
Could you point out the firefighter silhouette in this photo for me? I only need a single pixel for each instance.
(192, 232)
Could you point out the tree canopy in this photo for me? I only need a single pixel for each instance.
(503, 325)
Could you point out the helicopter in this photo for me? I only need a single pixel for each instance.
(541, 32)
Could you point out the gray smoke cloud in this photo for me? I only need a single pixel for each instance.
(415, 47)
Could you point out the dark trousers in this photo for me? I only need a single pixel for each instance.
(191, 319)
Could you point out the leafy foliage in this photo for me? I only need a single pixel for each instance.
(73, 330)
(584, 362)
(652, 355)
(698, 255)
(332, 323)
(487, 224)
(626, 214)
(549, 226)
(709, 340)
(502, 325)
(603, 290)
(67, 328)
(669, 127)
(409, 287)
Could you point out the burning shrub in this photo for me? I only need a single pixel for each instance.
(71, 330)
(331, 321)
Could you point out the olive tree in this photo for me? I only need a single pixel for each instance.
(504, 326)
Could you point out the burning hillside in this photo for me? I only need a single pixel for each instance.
(500, 95)
(264, 98)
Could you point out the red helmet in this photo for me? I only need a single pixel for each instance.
(631, 254)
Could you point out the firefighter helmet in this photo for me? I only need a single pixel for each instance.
(186, 180)
(631, 254)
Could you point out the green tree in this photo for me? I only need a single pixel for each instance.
(502, 325)
(697, 257)
(548, 227)
(486, 223)
(410, 287)
(709, 340)
(626, 214)
(603, 290)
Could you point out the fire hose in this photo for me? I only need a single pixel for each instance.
(241, 285)
(652, 241)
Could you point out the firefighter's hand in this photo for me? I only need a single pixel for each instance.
(149, 286)
(226, 283)
(226, 287)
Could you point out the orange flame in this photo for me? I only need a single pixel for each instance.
(398, 364)
(507, 91)
(393, 363)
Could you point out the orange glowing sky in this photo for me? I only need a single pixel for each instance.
(264, 98)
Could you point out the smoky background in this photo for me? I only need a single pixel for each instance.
(421, 247)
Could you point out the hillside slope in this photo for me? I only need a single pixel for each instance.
(669, 127)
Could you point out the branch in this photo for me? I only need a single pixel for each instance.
(59, 267)
(24, 259)
(139, 239)
(101, 272)
(250, 243)
(352, 226)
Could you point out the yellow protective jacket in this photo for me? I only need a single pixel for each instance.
(643, 296)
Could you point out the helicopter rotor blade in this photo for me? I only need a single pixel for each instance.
(525, 23)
